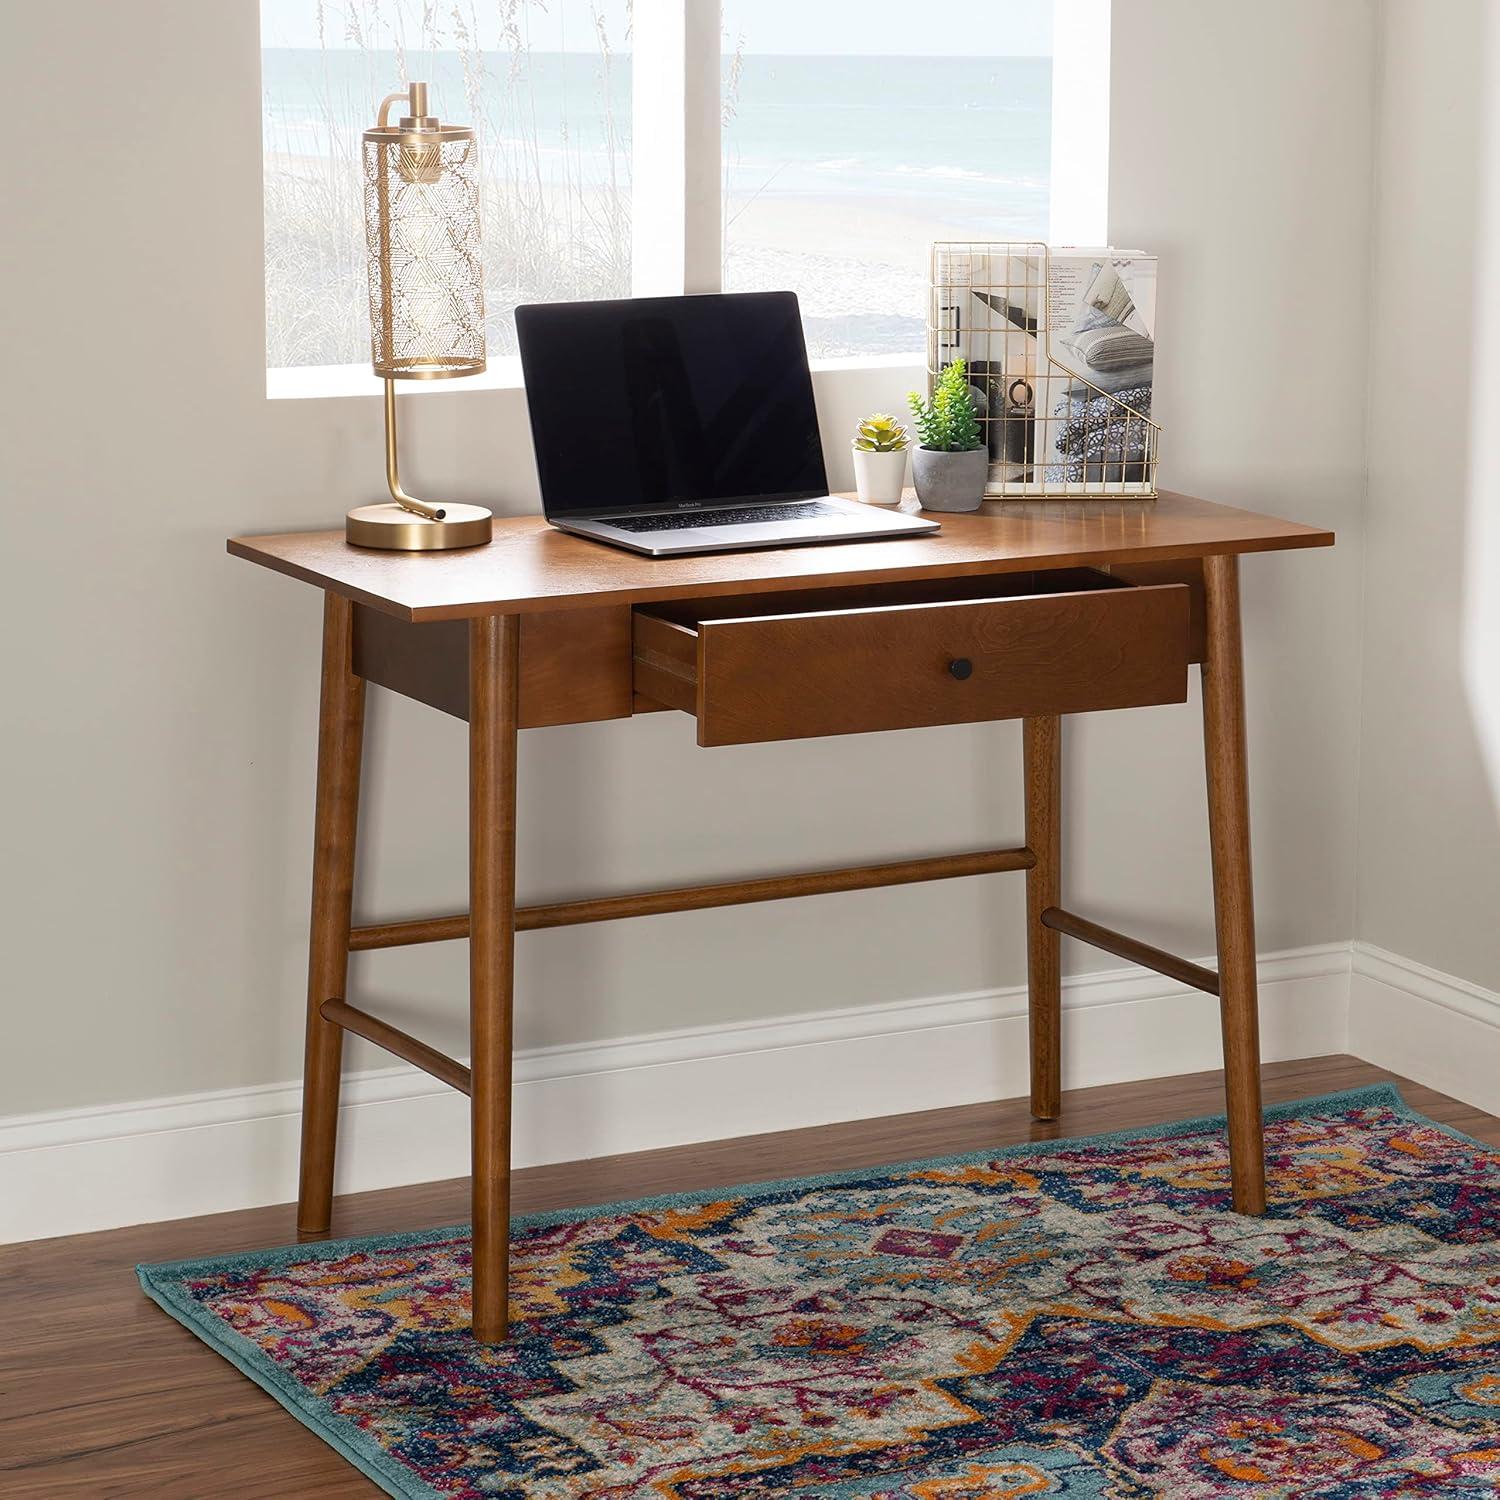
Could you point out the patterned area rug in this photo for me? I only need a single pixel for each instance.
(1073, 1319)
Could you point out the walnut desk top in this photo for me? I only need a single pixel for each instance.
(531, 566)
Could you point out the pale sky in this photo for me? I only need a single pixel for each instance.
(987, 28)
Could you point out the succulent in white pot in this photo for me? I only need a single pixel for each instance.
(880, 445)
(951, 465)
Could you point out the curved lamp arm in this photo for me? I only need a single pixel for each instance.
(392, 474)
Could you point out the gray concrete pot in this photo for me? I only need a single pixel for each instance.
(949, 481)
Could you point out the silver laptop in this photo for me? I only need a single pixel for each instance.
(684, 424)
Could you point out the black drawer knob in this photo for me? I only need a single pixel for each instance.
(961, 667)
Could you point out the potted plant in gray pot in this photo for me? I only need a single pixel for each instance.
(950, 467)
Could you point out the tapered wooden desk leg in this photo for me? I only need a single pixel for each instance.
(1041, 741)
(341, 719)
(493, 671)
(1234, 910)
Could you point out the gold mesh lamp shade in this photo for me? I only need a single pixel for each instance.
(421, 188)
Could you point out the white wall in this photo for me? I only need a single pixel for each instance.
(1240, 150)
(1429, 872)
(159, 711)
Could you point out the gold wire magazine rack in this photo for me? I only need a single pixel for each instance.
(1052, 428)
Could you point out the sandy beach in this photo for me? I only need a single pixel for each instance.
(858, 264)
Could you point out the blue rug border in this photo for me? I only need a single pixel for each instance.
(161, 1281)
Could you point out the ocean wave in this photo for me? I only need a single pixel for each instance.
(763, 162)
(965, 174)
(853, 171)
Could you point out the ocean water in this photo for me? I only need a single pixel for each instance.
(315, 102)
(970, 132)
(967, 137)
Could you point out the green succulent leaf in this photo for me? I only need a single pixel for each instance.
(880, 433)
(947, 421)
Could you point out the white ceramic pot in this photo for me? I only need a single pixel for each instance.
(879, 478)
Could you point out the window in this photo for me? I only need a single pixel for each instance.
(856, 134)
(845, 136)
(547, 89)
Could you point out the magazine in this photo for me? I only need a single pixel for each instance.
(1060, 347)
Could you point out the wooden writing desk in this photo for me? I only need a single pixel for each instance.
(1031, 612)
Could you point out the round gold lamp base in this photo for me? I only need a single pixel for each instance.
(397, 529)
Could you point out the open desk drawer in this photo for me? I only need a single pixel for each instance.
(896, 656)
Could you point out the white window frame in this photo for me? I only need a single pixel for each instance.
(676, 174)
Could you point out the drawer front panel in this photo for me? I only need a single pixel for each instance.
(849, 672)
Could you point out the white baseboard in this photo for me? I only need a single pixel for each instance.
(70, 1172)
(1428, 1026)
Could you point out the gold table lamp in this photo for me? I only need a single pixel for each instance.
(426, 300)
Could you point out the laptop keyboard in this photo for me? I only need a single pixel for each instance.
(740, 515)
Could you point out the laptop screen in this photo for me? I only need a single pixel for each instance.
(673, 402)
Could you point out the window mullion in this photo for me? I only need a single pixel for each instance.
(676, 233)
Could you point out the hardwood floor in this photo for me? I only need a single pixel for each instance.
(102, 1394)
